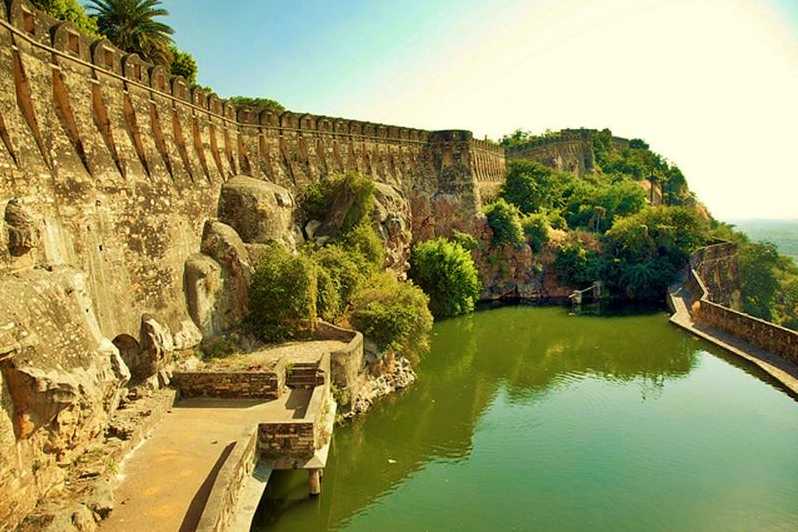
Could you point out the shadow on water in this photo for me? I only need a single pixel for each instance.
(523, 354)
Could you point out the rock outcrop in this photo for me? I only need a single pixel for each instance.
(259, 211)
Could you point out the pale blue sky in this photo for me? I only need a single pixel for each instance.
(711, 85)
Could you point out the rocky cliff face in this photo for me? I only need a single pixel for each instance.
(516, 272)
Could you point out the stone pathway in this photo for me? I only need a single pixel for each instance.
(164, 484)
(782, 370)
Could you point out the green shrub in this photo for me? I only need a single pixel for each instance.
(257, 103)
(577, 266)
(649, 248)
(363, 239)
(446, 272)
(347, 269)
(466, 240)
(393, 314)
(503, 218)
(536, 230)
(282, 295)
(328, 296)
(352, 192)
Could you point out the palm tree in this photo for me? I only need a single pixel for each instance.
(132, 26)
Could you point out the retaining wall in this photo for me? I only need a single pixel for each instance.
(760, 333)
(231, 479)
(233, 385)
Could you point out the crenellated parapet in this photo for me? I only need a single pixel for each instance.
(198, 136)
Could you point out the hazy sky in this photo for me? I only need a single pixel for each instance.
(712, 85)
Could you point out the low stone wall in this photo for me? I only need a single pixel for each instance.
(223, 499)
(718, 269)
(761, 333)
(346, 363)
(288, 438)
(301, 437)
(234, 385)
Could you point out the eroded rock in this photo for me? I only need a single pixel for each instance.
(259, 211)
(23, 234)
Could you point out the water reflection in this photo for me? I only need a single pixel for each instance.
(522, 355)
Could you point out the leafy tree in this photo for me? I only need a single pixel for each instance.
(577, 266)
(504, 220)
(759, 263)
(69, 10)
(467, 241)
(257, 103)
(595, 205)
(532, 186)
(347, 268)
(393, 315)
(132, 25)
(183, 64)
(647, 249)
(446, 272)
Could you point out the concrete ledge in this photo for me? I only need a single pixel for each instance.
(222, 506)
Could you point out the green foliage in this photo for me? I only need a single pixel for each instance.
(392, 314)
(504, 220)
(132, 25)
(257, 103)
(282, 295)
(340, 273)
(532, 186)
(72, 11)
(647, 249)
(183, 64)
(577, 266)
(465, 240)
(345, 200)
(595, 205)
(536, 230)
(446, 272)
(758, 266)
(328, 296)
(363, 239)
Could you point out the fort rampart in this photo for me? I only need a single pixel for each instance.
(109, 169)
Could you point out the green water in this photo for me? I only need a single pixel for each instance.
(530, 419)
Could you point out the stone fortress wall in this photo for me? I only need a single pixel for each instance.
(713, 282)
(109, 169)
(571, 150)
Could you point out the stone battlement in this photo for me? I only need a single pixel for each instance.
(239, 140)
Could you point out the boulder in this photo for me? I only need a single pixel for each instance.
(259, 211)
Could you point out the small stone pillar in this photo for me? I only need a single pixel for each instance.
(314, 481)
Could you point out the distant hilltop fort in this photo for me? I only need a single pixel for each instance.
(569, 150)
